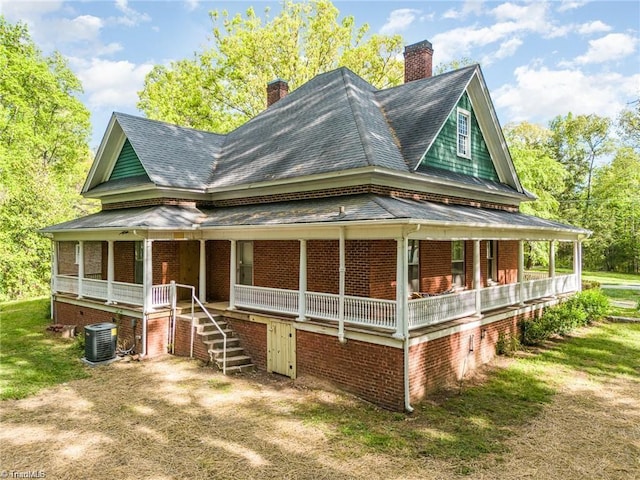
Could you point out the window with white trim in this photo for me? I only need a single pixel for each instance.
(244, 261)
(413, 262)
(491, 260)
(457, 262)
(77, 260)
(138, 262)
(464, 133)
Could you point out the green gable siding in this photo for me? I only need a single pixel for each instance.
(443, 152)
(128, 164)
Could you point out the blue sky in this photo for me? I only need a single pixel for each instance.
(540, 59)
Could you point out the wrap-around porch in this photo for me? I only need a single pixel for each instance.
(411, 309)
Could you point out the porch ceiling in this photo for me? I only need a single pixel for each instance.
(364, 216)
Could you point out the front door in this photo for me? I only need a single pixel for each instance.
(281, 348)
(189, 255)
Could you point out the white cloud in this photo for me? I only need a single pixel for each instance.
(511, 20)
(469, 7)
(539, 94)
(566, 5)
(452, 13)
(28, 11)
(593, 27)
(399, 20)
(112, 84)
(191, 5)
(131, 16)
(79, 29)
(610, 47)
(507, 49)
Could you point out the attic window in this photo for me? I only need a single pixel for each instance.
(464, 133)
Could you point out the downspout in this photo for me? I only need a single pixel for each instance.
(54, 273)
(405, 321)
(342, 271)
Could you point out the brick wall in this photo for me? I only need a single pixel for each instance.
(372, 372)
(435, 266)
(276, 264)
(507, 261)
(442, 362)
(218, 254)
(81, 316)
(324, 193)
(123, 254)
(166, 262)
(93, 259)
(382, 262)
(183, 341)
(253, 338)
(323, 260)
(67, 258)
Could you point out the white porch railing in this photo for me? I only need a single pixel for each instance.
(531, 275)
(537, 289)
(161, 296)
(499, 296)
(441, 308)
(129, 293)
(275, 300)
(369, 312)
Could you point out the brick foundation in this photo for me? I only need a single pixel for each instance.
(81, 316)
(372, 372)
(442, 362)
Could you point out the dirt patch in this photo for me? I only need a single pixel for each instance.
(173, 418)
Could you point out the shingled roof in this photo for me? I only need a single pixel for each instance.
(335, 122)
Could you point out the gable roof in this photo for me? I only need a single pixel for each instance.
(334, 123)
(172, 156)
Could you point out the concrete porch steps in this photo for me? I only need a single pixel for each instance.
(237, 361)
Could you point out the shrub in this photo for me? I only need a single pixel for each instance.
(535, 331)
(595, 304)
(507, 343)
(590, 285)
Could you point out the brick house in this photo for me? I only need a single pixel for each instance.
(369, 237)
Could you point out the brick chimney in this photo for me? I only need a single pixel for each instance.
(276, 90)
(418, 61)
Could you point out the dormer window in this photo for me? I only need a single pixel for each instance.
(464, 133)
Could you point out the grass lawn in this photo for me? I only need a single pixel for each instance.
(612, 278)
(30, 357)
(566, 411)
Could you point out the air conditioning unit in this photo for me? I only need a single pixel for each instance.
(100, 341)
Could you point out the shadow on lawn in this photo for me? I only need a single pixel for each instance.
(458, 426)
(610, 351)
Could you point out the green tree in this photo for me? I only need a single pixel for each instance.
(578, 142)
(615, 244)
(629, 125)
(44, 156)
(540, 174)
(223, 85)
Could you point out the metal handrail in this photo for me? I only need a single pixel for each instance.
(195, 299)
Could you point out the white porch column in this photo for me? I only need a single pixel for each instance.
(401, 281)
(552, 265)
(232, 275)
(110, 270)
(202, 276)
(302, 282)
(342, 270)
(477, 275)
(80, 266)
(521, 272)
(147, 277)
(54, 267)
(577, 263)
